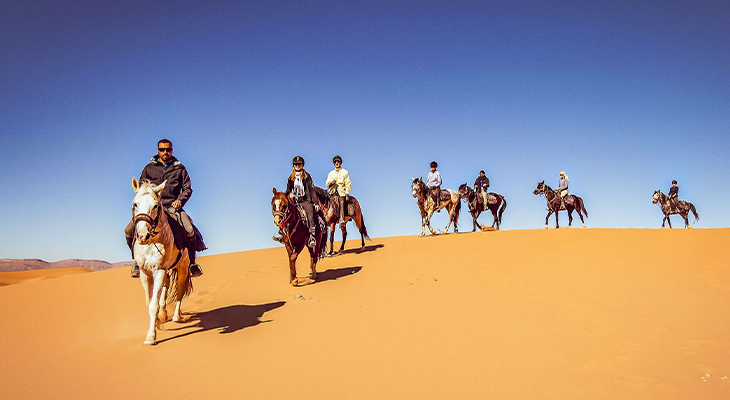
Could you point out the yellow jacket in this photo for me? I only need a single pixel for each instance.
(342, 178)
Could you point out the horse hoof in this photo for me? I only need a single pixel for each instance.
(294, 282)
(546, 227)
(584, 225)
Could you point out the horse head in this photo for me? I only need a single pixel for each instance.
(279, 207)
(416, 186)
(146, 209)
(540, 188)
(657, 196)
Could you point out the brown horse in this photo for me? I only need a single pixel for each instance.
(683, 208)
(476, 204)
(570, 202)
(449, 200)
(330, 208)
(295, 234)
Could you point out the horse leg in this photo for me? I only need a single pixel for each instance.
(570, 217)
(451, 216)
(293, 268)
(332, 239)
(669, 221)
(313, 266)
(147, 286)
(686, 220)
(494, 214)
(154, 306)
(474, 216)
(557, 224)
(343, 228)
(162, 314)
(547, 218)
(428, 222)
(183, 285)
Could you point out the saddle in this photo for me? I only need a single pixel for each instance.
(179, 233)
(445, 195)
(317, 215)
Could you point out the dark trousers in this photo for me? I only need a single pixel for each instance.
(436, 195)
(308, 208)
(342, 203)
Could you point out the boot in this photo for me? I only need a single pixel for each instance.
(135, 269)
(195, 269)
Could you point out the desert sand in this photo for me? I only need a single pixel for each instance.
(536, 314)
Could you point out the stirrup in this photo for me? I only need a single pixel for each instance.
(312, 242)
(279, 239)
(195, 270)
(135, 271)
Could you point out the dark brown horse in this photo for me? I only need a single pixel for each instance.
(570, 202)
(295, 234)
(683, 208)
(330, 208)
(476, 204)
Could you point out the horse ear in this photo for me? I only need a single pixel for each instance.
(161, 186)
(135, 184)
(275, 190)
(413, 179)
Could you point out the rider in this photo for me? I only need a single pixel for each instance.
(165, 167)
(562, 189)
(481, 185)
(673, 194)
(433, 182)
(341, 177)
(299, 187)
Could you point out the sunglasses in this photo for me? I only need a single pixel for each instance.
(164, 149)
(298, 165)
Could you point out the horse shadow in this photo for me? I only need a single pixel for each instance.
(365, 249)
(335, 274)
(227, 319)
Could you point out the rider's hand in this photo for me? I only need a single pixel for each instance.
(177, 204)
(291, 196)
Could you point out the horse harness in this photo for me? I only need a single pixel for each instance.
(154, 232)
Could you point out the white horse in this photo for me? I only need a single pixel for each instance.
(427, 206)
(164, 270)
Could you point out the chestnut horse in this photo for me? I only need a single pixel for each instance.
(164, 269)
(295, 234)
(331, 211)
(427, 207)
(570, 202)
(476, 204)
(683, 208)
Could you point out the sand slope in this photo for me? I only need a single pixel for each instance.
(556, 314)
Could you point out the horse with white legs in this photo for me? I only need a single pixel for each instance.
(449, 200)
(555, 204)
(476, 204)
(683, 208)
(164, 269)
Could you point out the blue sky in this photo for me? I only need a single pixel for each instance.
(623, 96)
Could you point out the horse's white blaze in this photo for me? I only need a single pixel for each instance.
(277, 204)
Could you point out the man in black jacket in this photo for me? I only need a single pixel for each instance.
(674, 194)
(164, 167)
(481, 185)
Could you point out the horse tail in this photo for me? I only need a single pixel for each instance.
(363, 230)
(175, 288)
(501, 210)
(583, 206)
(694, 211)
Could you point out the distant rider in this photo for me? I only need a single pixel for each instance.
(674, 195)
(433, 183)
(165, 167)
(341, 177)
(481, 185)
(299, 187)
(562, 189)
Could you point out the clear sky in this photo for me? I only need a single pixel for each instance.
(624, 96)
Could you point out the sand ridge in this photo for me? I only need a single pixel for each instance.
(548, 314)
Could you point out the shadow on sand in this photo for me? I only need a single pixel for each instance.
(334, 274)
(361, 250)
(227, 319)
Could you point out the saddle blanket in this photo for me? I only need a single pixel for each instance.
(445, 195)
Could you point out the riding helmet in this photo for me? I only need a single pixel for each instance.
(674, 182)
(336, 159)
(298, 160)
(434, 164)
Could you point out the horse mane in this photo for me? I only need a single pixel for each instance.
(146, 187)
(321, 194)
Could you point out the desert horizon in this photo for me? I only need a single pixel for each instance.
(550, 314)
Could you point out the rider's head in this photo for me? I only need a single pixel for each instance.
(337, 161)
(164, 150)
(481, 173)
(298, 163)
(674, 182)
(562, 174)
(434, 165)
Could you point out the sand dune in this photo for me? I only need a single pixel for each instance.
(542, 314)
(28, 264)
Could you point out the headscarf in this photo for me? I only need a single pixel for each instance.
(564, 175)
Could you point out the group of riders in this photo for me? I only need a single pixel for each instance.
(164, 167)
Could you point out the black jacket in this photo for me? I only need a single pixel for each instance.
(308, 186)
(481, 181)
(673, 191)
(178, 181)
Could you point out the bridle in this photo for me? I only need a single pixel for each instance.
(543, 191)
(153, 231)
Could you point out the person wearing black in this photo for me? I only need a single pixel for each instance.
(674, 194)
(299, 187)
(481, 185)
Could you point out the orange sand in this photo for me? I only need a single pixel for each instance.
(543, 314)
(9, 278)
